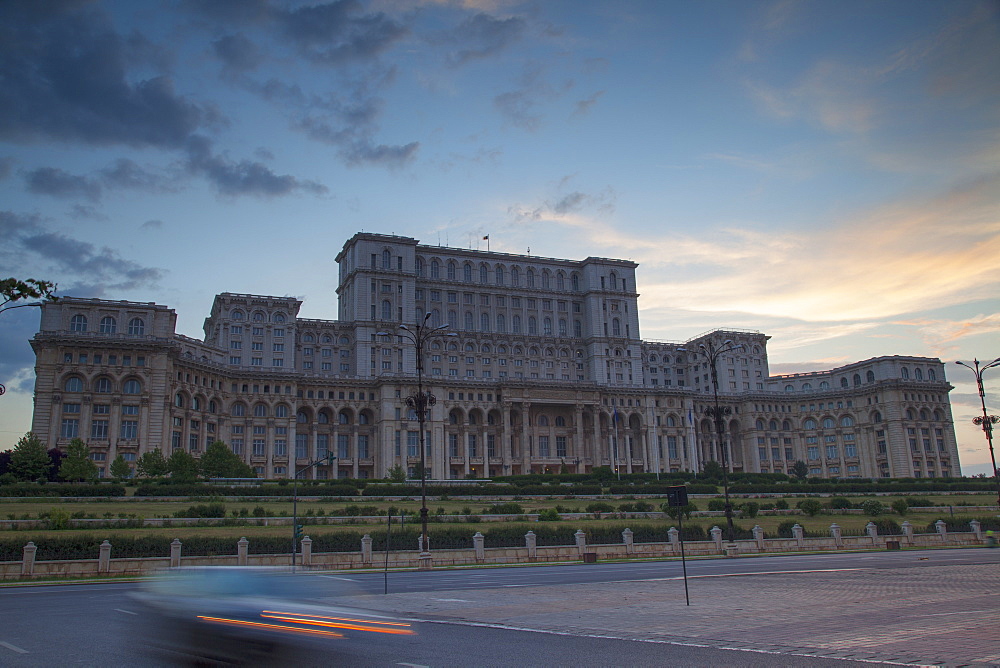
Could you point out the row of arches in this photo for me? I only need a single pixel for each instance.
(311, 337)
(107, 325)
(435, 268)
(240, 315)
(102, 385)
(904, 372)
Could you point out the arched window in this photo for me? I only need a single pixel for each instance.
(484, 322)
(616, 327)
(560, 421)
(614, 281)
(904, 373)
(857, 380)
(560, 282)
(260, 410)
(545, 279)
(924, 415)
(237, 315)
(562, 327)
(671, 421)
(102, 385)
(108, 325)
(547, 326)
(435, 318)
(211, 406)
(847, 421)
(937, 415)
(386, 259)
(302, 417)
(239, 409)
(281, 411)
(515, 276)
(918, 373)
(773, 425)
(910, 415)
(532, 325)
(877, 417)
(451, 270)
(453, 319)
(501, 323)
(196, 404)
(931, 375)
(759, 424)
(575, 281)
(786, 425)
(806, 386)
(469, 324)
(473, 419)
(279, 317)
(179, 400)
(530, 277)
(258, 316)
(323, 417)
(515, 324)
(870, 376)
(74, 384)
(828, 423)
(132, 386)
(467, 272)
(453, 417)
(78, 323)
(308, 338)
(498, 272)
(435, 269)
(386, 309)
(419, 266)
(843, 382)
(484, 274)
(136, 327)
(809, 424)
(344, 417)
(543, 421)
(823, 385)
(789, 388)
(362, 418)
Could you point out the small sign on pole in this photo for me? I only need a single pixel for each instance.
(677, 497)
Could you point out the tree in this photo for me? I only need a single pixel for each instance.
(712, 469)
(800, 470)
(810, 507)
(55, 463)
(77, 464)
(221, 462)
(120, 469)
(182, 466)
(397, 474)
(152, 464)
(29, 460)
(900, 506)
(674, 511)
(14, 290)
(872, 508)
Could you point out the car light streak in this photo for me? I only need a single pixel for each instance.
(394, 628)
(269, 627)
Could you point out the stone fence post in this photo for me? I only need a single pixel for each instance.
(627, 539)
(241, 551)
(28, 559)
(758, 535)
(976, 529)
(175, 553)
(942, 529)
(479, 543)
(674, 535)
(581, 541)
(872, 531)
(366, 549)
(531, 542)
(307, 550)
(799, 534)
(835, 532)
(716, 534)
(104, 560)
(908, 531)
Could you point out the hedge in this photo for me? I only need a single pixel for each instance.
(195, 489)
(60, 489)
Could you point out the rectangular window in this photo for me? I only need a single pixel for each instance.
(70, 428)
(412, 443)
(99, 430)
(672, 447)
(280, 447)
(343, 446)
(473, 446)
(322, 445)
(453, 445)
(491, 445)
(129, 429)
(258, 447)
(543, 446)
(363, 446)
(831, 452)
(560, 446)
(813, 452)
(301, 446)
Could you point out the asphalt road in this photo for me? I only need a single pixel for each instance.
(99, 625)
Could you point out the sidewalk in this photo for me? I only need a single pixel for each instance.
(939, 615)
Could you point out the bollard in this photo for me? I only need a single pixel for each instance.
(531, 542)
(942, 529)
(241, 551)
(627, 539)
(28, 559)
(872, 530)
(175, 553)
(758, 535)
(104, 560)
(716, 534)
(581, 541)
(307, 550)
(977, 529)
(835, 532)
(366, 549)
(674, 536)
(908, 531)
(799, 534)
(479, 543)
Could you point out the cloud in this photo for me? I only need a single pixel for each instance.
(583, 106)
(481, 36)
(518, 106)
(64, 73)
(243, 177)
(6, 165)
(153, 224)
(57, 183)
(238, 53)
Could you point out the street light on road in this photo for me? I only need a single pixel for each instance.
(712, 354)
(986, 421)
(420, 402)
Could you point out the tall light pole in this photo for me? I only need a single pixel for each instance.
(712, 354)
(420, 402)
(986, 421)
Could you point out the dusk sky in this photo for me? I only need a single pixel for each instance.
(825, 172)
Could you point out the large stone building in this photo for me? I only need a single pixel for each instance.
(545, 371)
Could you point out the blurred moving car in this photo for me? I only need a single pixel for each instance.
(247, 615)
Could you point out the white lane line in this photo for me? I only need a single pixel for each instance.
(515, 585)
(451, 600)
(333, 577)
(13, 648)
(412, 665)
(127, 612)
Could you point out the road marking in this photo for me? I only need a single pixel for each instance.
(945, 614)
(515, 585)
(127, 612)
(13, 648)
(412, 665)
(333, 577)
(451, 600)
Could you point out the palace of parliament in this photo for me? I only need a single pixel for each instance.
(538, 366)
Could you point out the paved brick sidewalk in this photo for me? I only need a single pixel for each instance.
(939, 615)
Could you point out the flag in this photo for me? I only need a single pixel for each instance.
(690, 417)
(614, 414)
(486, 238)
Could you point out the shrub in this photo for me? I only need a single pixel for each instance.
(716, 505)
(549, 515)
(674, 511)
(750, 508)
(872, 508)
(508, 508)
(888, 527)
(781, 504)
(918, 502)
(840, 503)
(810, 507)
(600, 507)
(900, 506)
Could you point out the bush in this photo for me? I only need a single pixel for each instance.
(872, 508)
(508, 508)
(919, 502)
(716, 505)
(840, 503)
(810, 507)
(750, 509)
(781, 504)
(600, 507)
(204, 510)
(900, 506)
(549, 515)
(888, 527)
(674, 511)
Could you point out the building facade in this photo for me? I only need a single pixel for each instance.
(539, 367)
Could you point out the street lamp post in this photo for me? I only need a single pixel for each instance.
(420, 402)
(986, 421)
(717, 412)
(330, 458)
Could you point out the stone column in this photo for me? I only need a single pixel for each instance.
(527, 433)
(627, 539)
(104, 560)
(581, 541)
(306, 550)
(908, 531)
(175, 553)
(478, 542)
(597, 447)
(531, 542)
(28, 559)
(835, 532)
(942, 529)
(716, 534)
(674, 536)
(366, 549)
(579, 450)
(976, 529)
(798, 533)
(241, 551)
(872, 531)
(758, 535)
